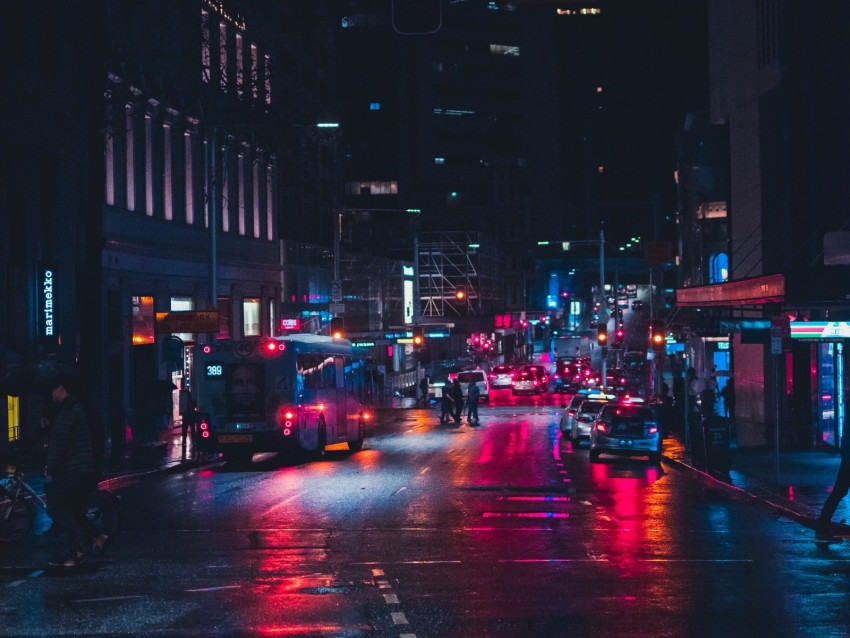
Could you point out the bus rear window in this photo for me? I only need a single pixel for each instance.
(245, 389)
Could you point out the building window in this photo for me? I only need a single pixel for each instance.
(222, 55)
(255, 195)
(272, 319)
(148, 166)
(167, 172)
(371, 188)
(374, 106)
(206, 66)
(225, 187)
(183, 304)
(251, 317)
(453, 112)
(109, 151)
(504, 49)
(13, 418)
(718, 268)
(255, 87)
(267, 78)
(269, 204)
(129, 119)
(240, 177)
(240, 66)
(439, 160)
(190, 178)
(143, 320)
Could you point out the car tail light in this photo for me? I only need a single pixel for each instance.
(601, 426)
(204, 426)
(651, 428)
(365, 415)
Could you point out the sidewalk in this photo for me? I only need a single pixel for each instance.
(796, 486)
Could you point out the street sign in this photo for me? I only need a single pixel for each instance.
(336, 290)
(187, 321)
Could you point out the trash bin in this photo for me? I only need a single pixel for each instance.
(716, 432)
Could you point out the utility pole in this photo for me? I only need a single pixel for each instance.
(602, 303)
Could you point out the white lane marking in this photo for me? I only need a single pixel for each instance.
(384, 584)
(216, 588)
(424, 470)
(407, 636)
(401, 489)
(409, 562)
(399, 618)
(377, 572)
(15, 583)
(391, 599)
(105, 599)
(283, 503)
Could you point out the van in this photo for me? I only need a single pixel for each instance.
(467, 376)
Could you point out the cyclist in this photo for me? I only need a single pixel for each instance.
(70, 476)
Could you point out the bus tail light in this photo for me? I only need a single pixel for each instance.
(365, 415)
(286, 417)
(204, 426)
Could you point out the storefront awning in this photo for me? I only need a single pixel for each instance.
(743, 292)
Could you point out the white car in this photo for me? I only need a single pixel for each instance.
(467, 376)
(626, 428)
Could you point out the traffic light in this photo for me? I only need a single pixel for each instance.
(337, 328)
(657, 338)
(418, 337)
(619, 336)
(602, 334)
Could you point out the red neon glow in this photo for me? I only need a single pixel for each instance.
(207, 349)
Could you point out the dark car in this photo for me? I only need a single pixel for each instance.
(626, 428)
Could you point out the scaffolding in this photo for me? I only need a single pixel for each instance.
(453, 262)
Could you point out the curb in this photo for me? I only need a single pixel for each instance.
(773, 501)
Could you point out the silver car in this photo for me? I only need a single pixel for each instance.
(625, 428)
(584, 416)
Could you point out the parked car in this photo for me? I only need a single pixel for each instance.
(626, 428)
(529, 381)
(467, 376)
(502, 376)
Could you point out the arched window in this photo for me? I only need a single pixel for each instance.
(718, 268)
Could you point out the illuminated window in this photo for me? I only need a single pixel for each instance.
(269, 204)
(13, 418)
(439, 160)
(143, 320)
(504, 49)
(453, 112)
(240, 68)
(182, 304)
(222, 56)
(240, 177)
(268, 80)
(718, 268)
(250, 317)
(206, 66)
(255, 195)
(371, 188)
(224, 209)
(109, 152)
(148, 165)
(167, 171)
(255, 88)
(129, 119)
(189, 181)
(374, 106)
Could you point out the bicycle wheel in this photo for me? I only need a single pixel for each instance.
(16, 516)
(104, 511)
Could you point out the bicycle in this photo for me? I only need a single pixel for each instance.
(18, 502)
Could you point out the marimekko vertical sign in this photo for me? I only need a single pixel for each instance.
(47, 326)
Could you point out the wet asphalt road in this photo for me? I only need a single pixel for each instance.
(500, 530)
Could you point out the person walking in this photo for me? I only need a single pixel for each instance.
(457, 398)
(70, 474)
(473, 394)
(823, 528)
(424, 385)
(728, 394)
(447, 406)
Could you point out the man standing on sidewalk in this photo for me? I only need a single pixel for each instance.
(823, 531)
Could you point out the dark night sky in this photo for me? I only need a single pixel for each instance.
(650, 57)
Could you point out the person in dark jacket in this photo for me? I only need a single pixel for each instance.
(70, 475)
(823, 528)
(447, 406)
(473, 394)
(457, 397)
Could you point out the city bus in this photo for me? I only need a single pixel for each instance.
(285, 394)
